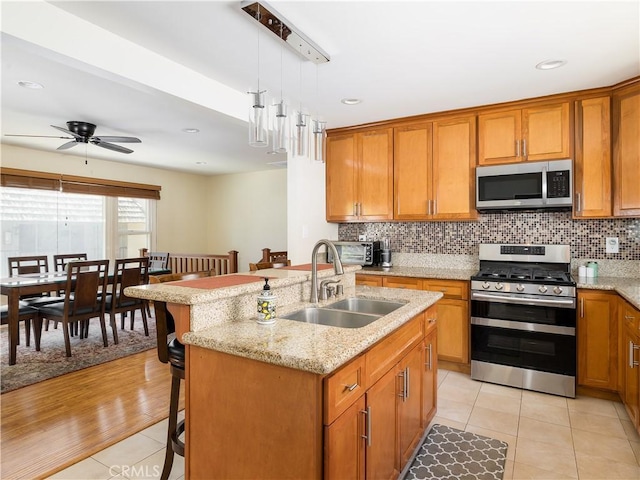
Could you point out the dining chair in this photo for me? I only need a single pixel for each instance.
(158, 260)
(25, 314)
(262, 265)
(171, 351)
(85, 298)
(128, 272)
(60, 261)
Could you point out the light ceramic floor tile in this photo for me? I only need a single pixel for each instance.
(598, 406)
(87, 469)
(592, 467)
(545, 456)
(158, 431)
(500, 403)
(545, 412)
(448, 422)
(462, 380)
(129, 451)
(604, 425)
(494, 420)
(442, 374)
(545, 432)
(508, 470)
(452, 410)
(151, 467)
(501, 390)
(598, 445)
(635, 446)
(621, 411)
(458, 393)
(523, 471)
(509, 439)
(537, 397)
(630, 430)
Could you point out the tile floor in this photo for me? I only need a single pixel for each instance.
(549, 437)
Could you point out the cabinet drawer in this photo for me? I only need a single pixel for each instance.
(450, 288)
(402, 282)
(343, 388)
(629, 315)
(369, 280)
(430, 319)
(384, 355)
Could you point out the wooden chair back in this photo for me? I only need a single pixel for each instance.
(86, 289)
(158, 260)
(262, 265)
(60, 261)
(274, 257)
(190, 262)
(128, 272)
(28, 264)
(165, 324)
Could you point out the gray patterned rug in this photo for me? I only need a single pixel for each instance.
(449, 453)
(32, 367)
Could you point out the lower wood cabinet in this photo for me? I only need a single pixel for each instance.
(629, 322)
(430, 368)
(597, 331)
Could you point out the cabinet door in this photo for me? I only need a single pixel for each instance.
(546, 132)
(402, 282)
(370, 280)
(375, 175)
(499, 137)
(430, 374)
(453, 330)
(454, 163)
(381, 457)
(631, 395)
(410, 403)
(593, 158)
(344, 440)
(412, 172)
(341, 169)
(626, 147)
(597, 331)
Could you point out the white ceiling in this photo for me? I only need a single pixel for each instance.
(151, 68)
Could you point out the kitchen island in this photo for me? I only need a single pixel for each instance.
(294, 400)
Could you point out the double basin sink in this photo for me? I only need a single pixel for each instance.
(354, 312)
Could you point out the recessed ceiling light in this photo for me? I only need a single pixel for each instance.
(550, 64)
(201, 163)
(351, 101)
(190, 130)
(28, 84)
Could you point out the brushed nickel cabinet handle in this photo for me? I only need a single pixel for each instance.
(367, 434)
(517, 148)
(582, 308)
(524, 148)
(578, 202)
(351, 388)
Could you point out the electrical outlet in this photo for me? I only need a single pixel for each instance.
(362, 238)
(611, 245)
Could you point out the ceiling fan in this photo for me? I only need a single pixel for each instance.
(83, 132)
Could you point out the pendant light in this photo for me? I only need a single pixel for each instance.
(301, 133)
(257, 111)
(318, 131)
(280, 123)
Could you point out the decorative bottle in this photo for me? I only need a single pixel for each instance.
(266, 305)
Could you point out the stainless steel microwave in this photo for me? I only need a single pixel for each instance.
(356, 253)
(527, 185)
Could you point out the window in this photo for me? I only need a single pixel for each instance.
(45, 221)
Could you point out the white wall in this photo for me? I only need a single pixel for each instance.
(306, 212)
(248, 212)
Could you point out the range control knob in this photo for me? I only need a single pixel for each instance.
(542, 289)
(520, 287)
(486, 285)
(557, 290)
(499, 286)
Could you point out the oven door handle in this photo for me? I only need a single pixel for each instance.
(521, 300)
(524, 326)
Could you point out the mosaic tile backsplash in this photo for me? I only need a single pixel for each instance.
(586, 237)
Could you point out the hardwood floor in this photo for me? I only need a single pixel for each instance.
(53, 424)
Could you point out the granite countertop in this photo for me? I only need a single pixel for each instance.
(628, 288)
(422, 272)
(314, 348)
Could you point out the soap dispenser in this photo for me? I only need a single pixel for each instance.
(266, 305)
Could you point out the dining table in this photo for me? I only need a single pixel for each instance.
(33, 283)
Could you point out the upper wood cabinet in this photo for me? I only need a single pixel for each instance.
(592, 172)
(626, 151)
(434, 170)
(360, 176)
(529, 134)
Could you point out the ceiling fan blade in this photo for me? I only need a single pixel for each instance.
(70, 144)
(117, 139)
(67, 131)
(35, 136)
(110, 146)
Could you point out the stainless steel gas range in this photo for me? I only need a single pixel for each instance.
(523, 318)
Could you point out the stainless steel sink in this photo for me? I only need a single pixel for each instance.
(366, 305)
(332, 318)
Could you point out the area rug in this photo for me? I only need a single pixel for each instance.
(32, 367)
(449, 453)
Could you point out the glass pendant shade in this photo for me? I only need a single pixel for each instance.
(258, 135)
(280, 129)
(319, 140)
(301, 139)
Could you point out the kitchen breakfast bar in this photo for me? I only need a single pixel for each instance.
(295, 399)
